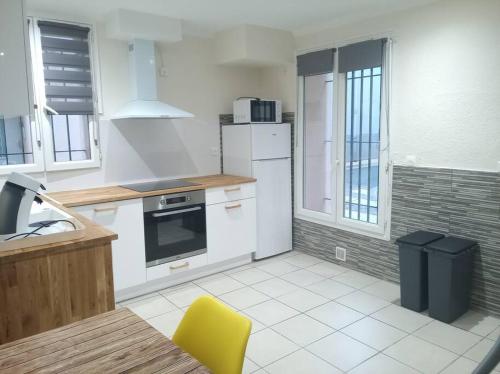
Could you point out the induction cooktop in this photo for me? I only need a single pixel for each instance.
(159, 185)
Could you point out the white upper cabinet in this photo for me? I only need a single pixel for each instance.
(129, 257)
(14, 61)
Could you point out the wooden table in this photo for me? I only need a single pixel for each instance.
(114, 342)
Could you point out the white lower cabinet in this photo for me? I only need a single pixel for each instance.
(126, 219)
(231, 233)
(231, 229)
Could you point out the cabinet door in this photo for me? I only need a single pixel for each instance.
(231, 229)
(126, 219)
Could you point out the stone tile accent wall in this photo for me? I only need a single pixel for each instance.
(453, 202)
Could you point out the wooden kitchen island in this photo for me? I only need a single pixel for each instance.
(44, 286)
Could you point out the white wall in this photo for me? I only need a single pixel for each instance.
(446, 84)
(142, 150)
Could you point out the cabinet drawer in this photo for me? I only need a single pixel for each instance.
(176, 267)
(230, 193)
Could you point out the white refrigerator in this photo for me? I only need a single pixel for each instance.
(263, 151)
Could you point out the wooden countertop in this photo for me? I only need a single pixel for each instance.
(117, 193)
(113, 342)
(90, 234)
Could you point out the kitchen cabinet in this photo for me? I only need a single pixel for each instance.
(14, 61)
(231, 228)
(126, 219)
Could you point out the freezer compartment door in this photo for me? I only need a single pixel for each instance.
(270, 141)
(274, 206)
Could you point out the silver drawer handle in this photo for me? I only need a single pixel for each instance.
(232, 189)
(184, 265)
(106, 209)
(156, 215)
(233, 206)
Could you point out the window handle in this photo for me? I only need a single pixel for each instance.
(50, 110)
(95, 130)
(36, 125)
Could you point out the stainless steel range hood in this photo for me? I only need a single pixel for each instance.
(145, 103)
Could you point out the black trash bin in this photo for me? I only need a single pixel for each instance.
(413, 268)
(450, 277)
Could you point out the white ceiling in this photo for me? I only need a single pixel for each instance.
(202, 17)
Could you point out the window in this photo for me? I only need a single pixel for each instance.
(64, 84)
(61, 131)
(363, 94)
(342, 178)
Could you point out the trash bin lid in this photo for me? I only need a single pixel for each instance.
(420, 238)
(451, 245)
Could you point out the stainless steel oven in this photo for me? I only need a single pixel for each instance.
(174, 226)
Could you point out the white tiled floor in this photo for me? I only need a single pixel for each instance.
(312, 316)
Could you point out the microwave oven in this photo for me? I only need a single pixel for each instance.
(254, 110)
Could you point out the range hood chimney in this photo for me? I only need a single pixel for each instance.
(145, 103)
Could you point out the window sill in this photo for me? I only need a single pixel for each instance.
(73, 165)
(21, 168)
(376, 233)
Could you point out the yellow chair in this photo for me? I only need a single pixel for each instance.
(215, 335)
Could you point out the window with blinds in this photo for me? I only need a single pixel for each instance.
(68, 89)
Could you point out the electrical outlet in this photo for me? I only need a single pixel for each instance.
(163, 71)
(340, 253)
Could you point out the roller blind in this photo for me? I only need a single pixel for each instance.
(66, 63)
(314, 63)
(363, 55)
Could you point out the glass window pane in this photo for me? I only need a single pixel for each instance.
(376, 102)
(62, 156)
(79, 136)
(362, 145)
(71, 137)
(318, 142)
(60, 133)
(15, 141)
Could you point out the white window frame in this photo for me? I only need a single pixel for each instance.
(336, 219)
(36, 135)
(40, 99)
(37, 166)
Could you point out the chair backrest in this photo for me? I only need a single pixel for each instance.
(215, 335)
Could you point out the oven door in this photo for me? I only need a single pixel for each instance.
(173, 234)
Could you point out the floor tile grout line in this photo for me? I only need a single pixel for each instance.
(438, 345)
(390, 357)
(300, 312)
(396, 327)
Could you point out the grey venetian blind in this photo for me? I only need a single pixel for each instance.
(314, 63)
(363, 55)
(66, 63)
